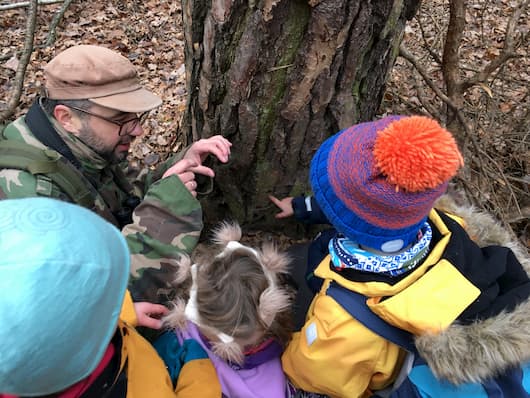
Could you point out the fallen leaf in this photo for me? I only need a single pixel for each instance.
(12, 63)
(486, 89)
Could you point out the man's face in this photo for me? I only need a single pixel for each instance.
(101, 131)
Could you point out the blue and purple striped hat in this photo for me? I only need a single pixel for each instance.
(377, 181)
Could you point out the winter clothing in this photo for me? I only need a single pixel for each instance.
(155, 247)
(76, 73)
(43, 285)
(58, 258)
(465, 302)
(383, 213)
(237, 300)
(260, 376)
(145, 372)
(489, 281)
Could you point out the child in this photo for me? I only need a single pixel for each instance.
(415, 269)
(63, 278)
(238, 311)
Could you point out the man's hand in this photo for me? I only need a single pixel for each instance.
(199, 151)
(285, 205)
(183, 169)
(149, 314)
(191, 163)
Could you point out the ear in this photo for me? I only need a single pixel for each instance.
(67, 118)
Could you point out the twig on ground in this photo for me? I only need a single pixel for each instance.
(422, 97)
(5, 57)
(4, 7)
(508, 50)
(24, 60)
(427, 46)
(55, 21)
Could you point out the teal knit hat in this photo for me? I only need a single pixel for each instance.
(63, 275)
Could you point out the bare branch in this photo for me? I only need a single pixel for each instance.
(4, 7)
(24, 61)
(416, 108)
(454, 107)
(403, 52)
(484, 124)
(508, 50)
(524, 214)
(55, 21)
(422, 97)
(453, 39)
(427, 46)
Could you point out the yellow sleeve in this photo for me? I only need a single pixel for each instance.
(198, 379)
(147, 375)
(128, 314)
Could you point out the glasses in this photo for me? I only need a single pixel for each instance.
(132, 122)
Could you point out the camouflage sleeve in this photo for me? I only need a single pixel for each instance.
(145, 178)
(17, 184)
(166, 224)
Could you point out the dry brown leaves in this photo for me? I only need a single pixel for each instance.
(497, 175)
(150, 34)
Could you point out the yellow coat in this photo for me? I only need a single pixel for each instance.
(334, 354)
(147, 375)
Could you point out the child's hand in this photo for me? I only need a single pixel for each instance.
(285, 205)
(149, 314)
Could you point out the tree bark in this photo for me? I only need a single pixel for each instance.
(277, 77)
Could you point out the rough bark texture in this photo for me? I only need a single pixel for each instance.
(277, 77)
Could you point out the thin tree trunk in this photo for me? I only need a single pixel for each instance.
(451, 60)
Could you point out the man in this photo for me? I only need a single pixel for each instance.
(72, 145)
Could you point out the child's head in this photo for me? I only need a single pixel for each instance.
(377, 181)
(63, 275)
(236, 299)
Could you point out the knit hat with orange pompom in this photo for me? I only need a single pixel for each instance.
(376, 182)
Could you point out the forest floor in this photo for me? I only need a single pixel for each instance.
(150, 34)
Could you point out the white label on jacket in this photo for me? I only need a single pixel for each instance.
(311, 333)
(308, 203)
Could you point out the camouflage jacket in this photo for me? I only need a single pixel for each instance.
(165, 224)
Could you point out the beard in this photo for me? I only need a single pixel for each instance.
(106, 151)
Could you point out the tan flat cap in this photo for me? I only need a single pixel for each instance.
(100, 75)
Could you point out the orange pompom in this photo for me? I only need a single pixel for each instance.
(417, 154)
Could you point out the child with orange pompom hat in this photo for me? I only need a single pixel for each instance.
(408, 305)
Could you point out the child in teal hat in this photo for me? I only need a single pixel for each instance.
(63, 329)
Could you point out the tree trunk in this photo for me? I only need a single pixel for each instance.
(277, 77)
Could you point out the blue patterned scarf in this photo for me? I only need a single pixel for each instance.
(346, 253)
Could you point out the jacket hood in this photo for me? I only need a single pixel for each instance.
(483, 349)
